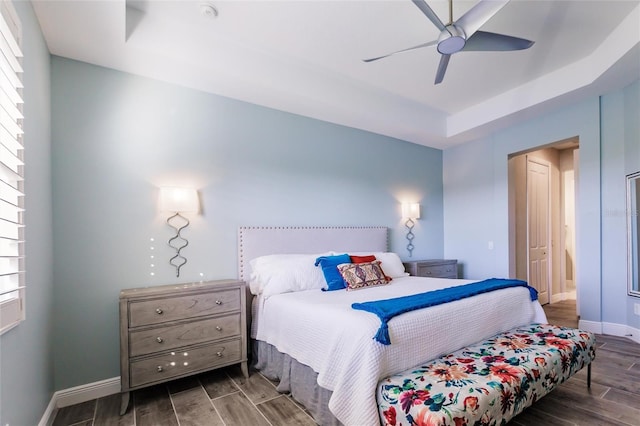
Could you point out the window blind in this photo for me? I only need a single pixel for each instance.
(11, 171)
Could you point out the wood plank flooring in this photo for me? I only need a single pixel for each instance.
(225, 398)
(218, 398)
(614, 396)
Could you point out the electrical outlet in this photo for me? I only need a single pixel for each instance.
(490, 245)
(636, 308)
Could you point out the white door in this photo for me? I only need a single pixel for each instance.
(538, 227)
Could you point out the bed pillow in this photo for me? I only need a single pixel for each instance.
(390, 262)
(284, 273)
(329, 265)
(362, 275)
(362, 259)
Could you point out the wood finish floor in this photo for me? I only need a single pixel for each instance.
(225, 398)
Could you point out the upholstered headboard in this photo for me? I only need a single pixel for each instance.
(260, 241)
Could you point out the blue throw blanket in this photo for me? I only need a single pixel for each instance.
(389, 308)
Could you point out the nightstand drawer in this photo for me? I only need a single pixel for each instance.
(142, 342)
(442, 271)
(167, 309)
(173, 364)
(433, 268)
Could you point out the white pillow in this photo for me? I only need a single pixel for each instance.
(390, 262)
(284, 273)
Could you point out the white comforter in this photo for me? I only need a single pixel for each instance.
(321, 330)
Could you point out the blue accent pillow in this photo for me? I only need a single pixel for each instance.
(329, 266)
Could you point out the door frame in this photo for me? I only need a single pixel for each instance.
(516, 185)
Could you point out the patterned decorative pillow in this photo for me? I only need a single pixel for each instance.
(361, 275)
(391, 263)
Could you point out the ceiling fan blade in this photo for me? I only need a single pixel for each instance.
(431, 43)
(484, 41)
(424, 7)
(442, 68)
(478, 15)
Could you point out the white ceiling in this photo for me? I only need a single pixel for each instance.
(305, 57)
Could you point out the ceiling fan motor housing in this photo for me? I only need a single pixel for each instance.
(452, 39)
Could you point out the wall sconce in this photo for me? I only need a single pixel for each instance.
(178, 200)
(410, 211)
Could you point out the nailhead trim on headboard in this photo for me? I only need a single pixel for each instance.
(310, 239)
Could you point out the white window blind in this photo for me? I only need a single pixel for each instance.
(12, 278)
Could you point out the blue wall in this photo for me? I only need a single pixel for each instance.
(475, 174)
(26, 361)
(620, 156)
(118, 137)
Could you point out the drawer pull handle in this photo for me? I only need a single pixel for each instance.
(159, 311)
(159, 339)
(219, 354)
(218, 302)
(218, 328)
(160, 369)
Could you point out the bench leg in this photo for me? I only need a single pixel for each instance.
(589, 375)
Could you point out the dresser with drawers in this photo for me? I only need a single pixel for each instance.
(434, 268)
(173, 331)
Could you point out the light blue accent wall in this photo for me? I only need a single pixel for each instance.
(26, 359)
(632, 164)
(476, 197)
(118, 137)
(614, 243)
(470, 209)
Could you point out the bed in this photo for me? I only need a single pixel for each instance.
(321, 349)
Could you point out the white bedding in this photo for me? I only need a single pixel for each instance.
(321, 330)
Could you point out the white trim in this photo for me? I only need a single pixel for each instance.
(621, 330)
(592, 326)
(79, 394)
(47, 417)
(559, 297)
(612, 329)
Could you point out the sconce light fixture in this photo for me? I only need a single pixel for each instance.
(410, 211)
(178, 200)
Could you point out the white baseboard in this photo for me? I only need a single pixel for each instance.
(614, 329)
(592, 326)
(621, 330)
(559, 297)
(78, 394)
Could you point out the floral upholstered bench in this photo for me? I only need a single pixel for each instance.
(487, 383)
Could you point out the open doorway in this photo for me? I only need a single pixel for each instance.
(542, 219)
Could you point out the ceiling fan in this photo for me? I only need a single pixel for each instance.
(464, 34)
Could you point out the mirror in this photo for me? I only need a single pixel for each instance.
(633, 226)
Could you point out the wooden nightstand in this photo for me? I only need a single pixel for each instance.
(173, 331)
(434, 268)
